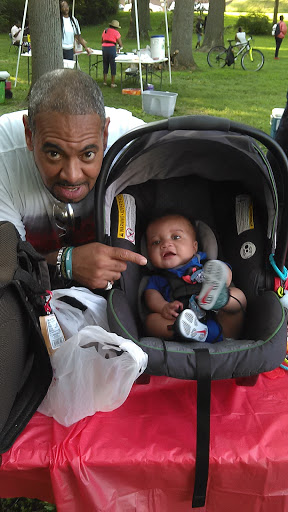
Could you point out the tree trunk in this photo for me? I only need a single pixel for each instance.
(214, 26)
(182, 29)
(275, 15)
(46, 38)
(143, 20)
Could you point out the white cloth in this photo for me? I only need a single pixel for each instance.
(14, 30)
(241, 36)
(69, 32)
(25, 201)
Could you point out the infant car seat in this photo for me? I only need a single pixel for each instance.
(210, 169)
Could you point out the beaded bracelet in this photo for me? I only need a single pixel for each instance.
(59, 262)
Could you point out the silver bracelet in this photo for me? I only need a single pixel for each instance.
(58, 261)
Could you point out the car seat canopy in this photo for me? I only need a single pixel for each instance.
(217, 157)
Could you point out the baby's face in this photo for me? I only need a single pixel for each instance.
(171, 242)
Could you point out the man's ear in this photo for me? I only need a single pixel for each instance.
(105, 133)
(28, 133)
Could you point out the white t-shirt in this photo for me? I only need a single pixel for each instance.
(26, 202)
(241, 36)
(14, 31)
(69, 31)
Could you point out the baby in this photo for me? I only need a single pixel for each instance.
(181, 278)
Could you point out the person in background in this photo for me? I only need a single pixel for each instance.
(70, 31)
(199, 31)
(16, 33)
(240, 37)
(280, 33)
(110, 38)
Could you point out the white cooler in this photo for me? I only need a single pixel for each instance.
(275, 120)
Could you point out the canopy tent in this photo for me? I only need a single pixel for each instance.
(138, 43)
(21, 40)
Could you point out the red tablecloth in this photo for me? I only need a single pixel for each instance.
(141, 457)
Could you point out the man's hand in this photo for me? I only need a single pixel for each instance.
(94, 265)
(170, 310)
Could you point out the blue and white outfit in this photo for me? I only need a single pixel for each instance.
(161, 284)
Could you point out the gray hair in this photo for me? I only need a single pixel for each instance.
(66, 91)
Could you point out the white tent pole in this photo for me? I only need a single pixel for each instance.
(21, 40)
(138, 46)
(73, 7)
(167, 37)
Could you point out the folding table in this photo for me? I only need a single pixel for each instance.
(141, 457)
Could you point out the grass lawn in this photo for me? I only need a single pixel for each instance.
(229, 92)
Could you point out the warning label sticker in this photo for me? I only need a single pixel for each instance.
(244, 213)
(126, 217)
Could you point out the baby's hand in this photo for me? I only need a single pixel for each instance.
(171, 310)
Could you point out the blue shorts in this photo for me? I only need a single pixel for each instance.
(68, 54)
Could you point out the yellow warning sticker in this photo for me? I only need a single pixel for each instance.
(126, 217)
(122, 216)
(251, 218)
(244, 213)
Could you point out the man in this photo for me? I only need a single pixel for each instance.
(16, 33)
(66, 133)
(240, 36)
(280, 33)
(199, 31)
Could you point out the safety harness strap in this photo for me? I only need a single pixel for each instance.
(203, 372)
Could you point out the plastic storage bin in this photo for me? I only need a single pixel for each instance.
(275, 120)
(159, 103)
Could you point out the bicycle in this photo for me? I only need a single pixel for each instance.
(251, 58)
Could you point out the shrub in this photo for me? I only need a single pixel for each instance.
(91, 13)
(255, 24)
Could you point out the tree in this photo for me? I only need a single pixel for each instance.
(214, 26)
(143, 19)
(11, 11)
(182, 29)
(275, 15)
(46, 37)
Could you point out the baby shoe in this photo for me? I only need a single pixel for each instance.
(214, 293)
(189, 327)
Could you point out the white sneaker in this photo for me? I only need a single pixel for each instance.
(214, 292)
(189, 327)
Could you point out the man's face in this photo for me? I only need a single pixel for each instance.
(64, 7)
(68, 152)
(171, 242)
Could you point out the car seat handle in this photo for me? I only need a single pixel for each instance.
(199, 123)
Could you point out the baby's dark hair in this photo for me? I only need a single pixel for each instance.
(171, 213)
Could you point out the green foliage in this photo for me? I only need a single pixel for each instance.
(93, 13)
(255, 6)
(255, 24)
(25, 505)
(87, 12)
(11, 11)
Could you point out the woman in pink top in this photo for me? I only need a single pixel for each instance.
(110, 38)
(280, 33)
